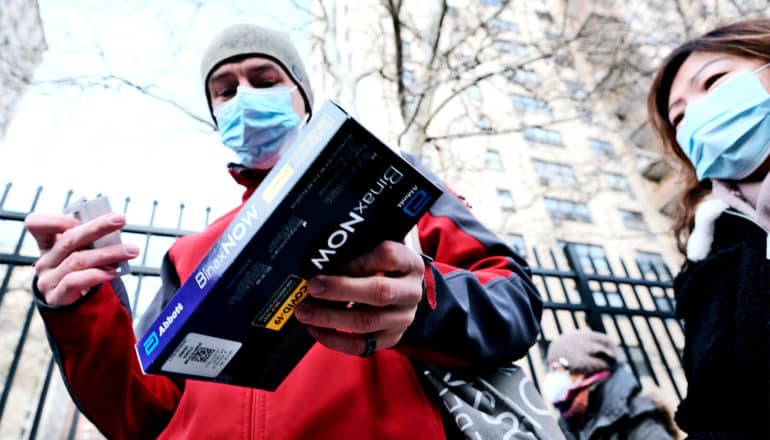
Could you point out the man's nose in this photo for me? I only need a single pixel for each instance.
(244, 82)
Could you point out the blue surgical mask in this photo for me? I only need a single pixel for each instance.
(258, 124)
(726, 134)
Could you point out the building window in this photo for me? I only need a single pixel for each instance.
(474, 92)
(600, 147)
(607, 299)
(575, 89)
(505, 199)
(504, 25)
(516, 242)
(484, 124)
(406, 49)
(552, 172)
(529, 104)
(523, 76)
(493, 160)
(510, 47)
(542, 135)
(407, 76)
(616, 182)
(410, 105)
(651, 265)
(567, 210)
(633, 220)
(588, 117)
(592, 259)
(545, 16)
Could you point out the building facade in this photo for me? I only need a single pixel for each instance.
(530, 128)
(22, 43)
(534, 112)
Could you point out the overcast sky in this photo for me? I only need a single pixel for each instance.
(117, 141)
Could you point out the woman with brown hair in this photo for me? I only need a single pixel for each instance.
(710, 105)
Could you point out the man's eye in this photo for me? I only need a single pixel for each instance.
(713, 79)
(224, 93)
(264, 84)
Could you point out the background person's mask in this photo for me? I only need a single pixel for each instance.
(556, 385)
(726, 134)
(258, 124)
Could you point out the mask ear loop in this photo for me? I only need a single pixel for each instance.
(305, 120)
(761, 68)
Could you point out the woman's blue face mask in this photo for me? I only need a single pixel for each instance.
(258, 124)
(726, 134)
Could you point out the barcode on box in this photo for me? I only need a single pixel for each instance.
(201, 355)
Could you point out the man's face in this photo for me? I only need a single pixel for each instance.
(255, 72)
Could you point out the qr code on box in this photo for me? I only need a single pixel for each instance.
(201, 354)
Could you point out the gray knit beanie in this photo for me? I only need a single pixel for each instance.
(249, 39)
(583, 351)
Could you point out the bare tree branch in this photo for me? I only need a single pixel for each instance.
(394, 11)
(498, 132)
(86, 82)
(683, 17)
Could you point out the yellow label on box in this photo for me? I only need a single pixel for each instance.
(283, 314)
(281, 305)
(277, 183)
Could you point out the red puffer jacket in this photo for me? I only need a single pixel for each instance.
(480, 307)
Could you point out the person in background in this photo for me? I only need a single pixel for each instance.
(468, 301)
(710, 106)
(596, 397)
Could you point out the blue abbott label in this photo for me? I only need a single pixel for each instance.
(191, 294)
(201, 355)
(162, 331)
(416, 204)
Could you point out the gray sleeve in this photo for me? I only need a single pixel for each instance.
(649, 428)
(169, 285)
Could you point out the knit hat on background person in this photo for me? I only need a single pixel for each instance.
(248, 39)
(583, 351)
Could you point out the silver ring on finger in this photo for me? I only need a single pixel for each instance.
(370, 346)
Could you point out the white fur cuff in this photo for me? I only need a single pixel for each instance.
(699, 243)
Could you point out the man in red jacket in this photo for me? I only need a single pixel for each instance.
(458, 297)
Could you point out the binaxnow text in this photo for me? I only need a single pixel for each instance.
(356, 215)
(230, 241)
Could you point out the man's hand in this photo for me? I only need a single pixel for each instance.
(66, 269)
(382, 289)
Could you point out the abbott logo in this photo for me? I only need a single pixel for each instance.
(150, 343)
(415, 205)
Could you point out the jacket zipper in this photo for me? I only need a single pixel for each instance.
(767, 232)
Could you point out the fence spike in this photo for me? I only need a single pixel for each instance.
(68, 197)
(179, 220)
(5, 194)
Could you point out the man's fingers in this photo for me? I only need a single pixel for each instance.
(76, 284)
(351, 343)
(79, 237)
(45, 227)
(85, 259)
(357, 319)
(388, 257)
(377, 291)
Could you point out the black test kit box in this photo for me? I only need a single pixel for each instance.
(336, 193)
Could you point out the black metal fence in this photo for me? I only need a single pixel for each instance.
(633, 304)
